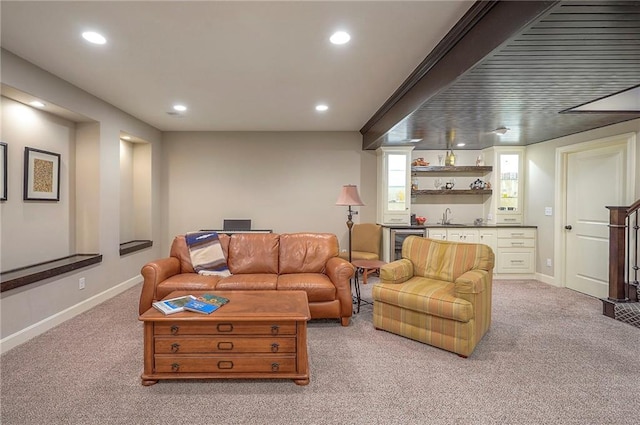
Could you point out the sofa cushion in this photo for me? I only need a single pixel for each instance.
(444, 260)
(186, 282)
(429, 296)
(317, 285)
(180, 250)
(248, 281)
(253, 253)
(306, 252)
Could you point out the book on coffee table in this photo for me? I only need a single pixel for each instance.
(173, 305)
(205, 303)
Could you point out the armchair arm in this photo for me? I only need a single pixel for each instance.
(340, 272)
(398, 271)
(472, 282)
(154, 273)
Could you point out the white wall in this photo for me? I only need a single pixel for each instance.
(34, 308)
(284, 181)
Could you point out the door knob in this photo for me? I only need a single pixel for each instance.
(568, 227)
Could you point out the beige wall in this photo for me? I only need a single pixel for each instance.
(27, 225)
(32, 309)
(540, 184)
(284, 181)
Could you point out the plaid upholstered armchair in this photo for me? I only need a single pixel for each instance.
(439, 293)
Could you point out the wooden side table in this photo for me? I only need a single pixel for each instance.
(366, 267)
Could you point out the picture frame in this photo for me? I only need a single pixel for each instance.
(3, 171)
(41, 175)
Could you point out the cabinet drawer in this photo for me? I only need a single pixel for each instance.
(509, 218)
(222, 364)
(516, 261)
(517, 233)
(516, 243)
(224, 344)
(225, 328)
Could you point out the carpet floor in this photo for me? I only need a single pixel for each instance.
(550, 357)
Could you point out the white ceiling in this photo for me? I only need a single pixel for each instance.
(238, 66)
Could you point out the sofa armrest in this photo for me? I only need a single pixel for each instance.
(398, 271)
(472, 282)
(154, 273)
(340, 272)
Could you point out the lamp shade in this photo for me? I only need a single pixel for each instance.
(349, 196)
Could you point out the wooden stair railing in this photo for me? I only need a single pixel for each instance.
(623, 256)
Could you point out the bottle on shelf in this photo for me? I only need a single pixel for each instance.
(450, 158)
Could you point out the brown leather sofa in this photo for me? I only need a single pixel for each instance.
(262, 261)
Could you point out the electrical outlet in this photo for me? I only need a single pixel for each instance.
(548, 211)
(489, 217)
(548, 262)
(81, 283)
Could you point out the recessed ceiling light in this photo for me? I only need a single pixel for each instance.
(94, 37)
(179, 108)
(340, 37)
(322, 108)
(37, 104)
(460, 145)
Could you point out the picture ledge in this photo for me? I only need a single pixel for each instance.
(135, 245)
(22, 276)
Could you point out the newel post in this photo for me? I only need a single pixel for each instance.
(617, 227)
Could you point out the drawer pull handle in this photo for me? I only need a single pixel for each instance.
(225, 327)
(517, 261)
(175, 367)
(275, 347)
(275, 329)
(517, 243)
(225, 345)
(275, 367)
(175, 329)
(175, 347)
(225, 364)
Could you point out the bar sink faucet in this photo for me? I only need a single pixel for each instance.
(445, 217)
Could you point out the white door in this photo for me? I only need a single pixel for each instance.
(596, 178)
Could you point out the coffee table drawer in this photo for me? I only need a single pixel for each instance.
(222, 364)
(225, 328)
(224, 344)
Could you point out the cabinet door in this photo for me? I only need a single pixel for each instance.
(488, 237)
(394, 185)
(462, 235)
(440, 234)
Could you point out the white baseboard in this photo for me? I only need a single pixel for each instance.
(545, 278)
(24, 335)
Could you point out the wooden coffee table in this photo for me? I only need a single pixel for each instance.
(258, 334)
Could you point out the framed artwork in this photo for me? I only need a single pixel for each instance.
(41, 175)
(3, 171)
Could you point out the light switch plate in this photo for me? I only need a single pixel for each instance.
(548, 211)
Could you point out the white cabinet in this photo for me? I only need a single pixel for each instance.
(508, 184)
(462, 235)
(516, 251)
(394, 185)
(440, 234)
(488, 237)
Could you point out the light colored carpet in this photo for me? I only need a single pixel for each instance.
(550, 357)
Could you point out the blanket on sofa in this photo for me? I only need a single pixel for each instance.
(206, 253)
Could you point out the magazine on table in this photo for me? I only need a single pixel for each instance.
(205, 303)
(173, 305)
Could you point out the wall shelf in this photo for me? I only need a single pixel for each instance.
(451, 192)
(472, 169)
(25, 275)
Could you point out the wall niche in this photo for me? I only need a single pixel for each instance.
(135, 194)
